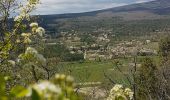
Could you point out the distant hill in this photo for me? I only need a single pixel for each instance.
(156, 7)
(143, 15)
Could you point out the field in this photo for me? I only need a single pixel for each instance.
(87, 71)
(103, 71)
(93, 71)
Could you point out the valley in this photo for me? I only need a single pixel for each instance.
(88, 46)
(119, 53)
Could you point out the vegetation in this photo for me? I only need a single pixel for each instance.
(62, 53)
(119, 93)
(28, 66)
(147, 80)
(102, 55)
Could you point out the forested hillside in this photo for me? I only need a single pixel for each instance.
(136, 19)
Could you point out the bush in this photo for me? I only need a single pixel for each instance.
(73, 57)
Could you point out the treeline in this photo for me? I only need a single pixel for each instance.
(152, 79)
(115, 25)
(62, 53)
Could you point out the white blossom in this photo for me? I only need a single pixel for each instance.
(117, 88)
(129, 92)
(31, 50)
(27, 40)
(34, 25)
(26, 34)
(46, 88)
(119, 92)
(41, 59)
(18, 41)
(11, 62)
(18, 18)
(69, 79)
(40, 31)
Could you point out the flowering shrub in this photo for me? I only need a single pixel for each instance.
(32, 56)
(118, 92)
(61, 87)
(17, 34)
(25, 10)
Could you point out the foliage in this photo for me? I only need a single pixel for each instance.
(73, 57)
(61, 52)
(27, 63)
(56, 50)
(164, 47)
(61, 87)
(122, 29)
(87, 39)
(146, 80)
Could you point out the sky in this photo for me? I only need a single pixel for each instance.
(76, 6)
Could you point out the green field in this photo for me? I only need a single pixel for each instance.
(93, 71)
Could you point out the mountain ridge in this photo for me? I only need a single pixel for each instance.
(142, 15)
(156, 6)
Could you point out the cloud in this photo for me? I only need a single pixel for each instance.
(76, 6)
(141, 1)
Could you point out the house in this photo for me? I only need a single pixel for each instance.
(148, 41)
(147, 52)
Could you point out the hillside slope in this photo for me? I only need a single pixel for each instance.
(147, 17)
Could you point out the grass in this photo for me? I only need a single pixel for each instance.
(93, 71)
(86, 71)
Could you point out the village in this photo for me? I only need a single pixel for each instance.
(102, 47)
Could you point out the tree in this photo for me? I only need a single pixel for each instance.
(28, 62)
(164, 48)
(146, 80)
(164, 76)
(16, 32)
(87, 39)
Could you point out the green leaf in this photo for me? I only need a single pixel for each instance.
(19, 91)
(3, 98)
(35, 95)
(2, 86)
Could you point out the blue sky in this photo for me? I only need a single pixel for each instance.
(76, 6)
